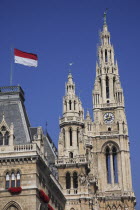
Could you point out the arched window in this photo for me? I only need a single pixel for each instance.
(70, 134)
(110, 54)
(115, 169)
(77, 136)
(107, 87)
(7, 181)
(105, 55)
(109, 129)
(71, 155)
(66, 105)
(75, 180)
(69, 104)
(68, 180)
(100, 81)
(118, 126)
(108, 169)
(64, 137)
(3, 128)
(6, 138)
(1, 139)
(18, 179)
(12, 179)
(74, 105)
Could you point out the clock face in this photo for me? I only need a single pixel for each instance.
(108, 117)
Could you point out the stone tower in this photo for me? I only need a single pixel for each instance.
(93, 156)
(72, 160)
(110, 140)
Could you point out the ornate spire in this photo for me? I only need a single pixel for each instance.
(70, 86)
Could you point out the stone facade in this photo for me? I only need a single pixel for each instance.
(26, 161)
(91, 170)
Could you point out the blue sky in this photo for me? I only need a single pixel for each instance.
(68, 31)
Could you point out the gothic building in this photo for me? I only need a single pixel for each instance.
(91, 170)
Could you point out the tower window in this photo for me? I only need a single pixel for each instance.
(106, 56)
(107, 87)
(68, 180)
(77, 136)
(70, 104)
(71, 155)
(75, 180)
(70, 134)
(115, 170)
(108, 169)
(100, 86)
(64, 137)
(109, 129)
(74, 105)
(66, 105)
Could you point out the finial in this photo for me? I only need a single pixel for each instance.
(105, 13)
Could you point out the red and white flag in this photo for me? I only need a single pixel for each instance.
(24, 58)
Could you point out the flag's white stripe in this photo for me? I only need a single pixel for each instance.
(26, 61)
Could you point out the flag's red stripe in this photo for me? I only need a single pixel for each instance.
(25, 55)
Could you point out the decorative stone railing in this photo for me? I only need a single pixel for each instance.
(70, 118)
(108, 105)
(26, 147)
(108, 133)
(69, 161)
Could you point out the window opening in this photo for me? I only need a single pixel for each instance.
(108, 169)
(115, 170)
(18, 179)
(6, 138)
(7, 184)
(70, 134)
(64, 137)
(1, 139)
(75, 180)
(77, 136)
(71, 155)
(74, 105)
(100, 86)
(68, 180)
(105, 55)
(12, 179)
(107, 87)
(70, 104)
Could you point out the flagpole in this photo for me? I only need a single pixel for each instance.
(11, 68)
